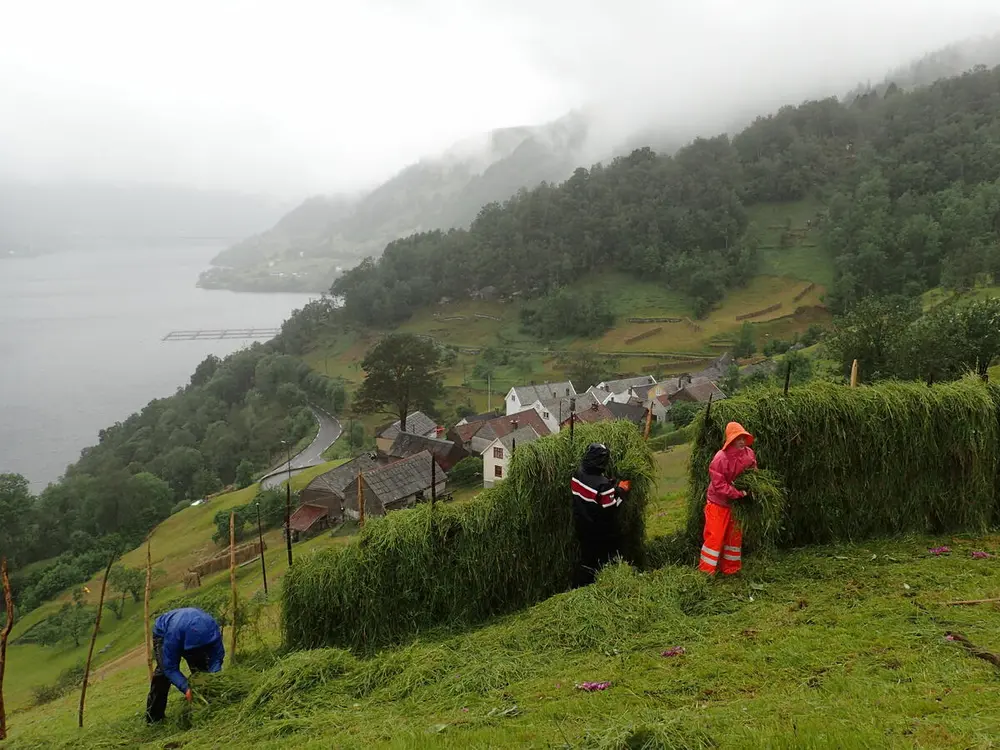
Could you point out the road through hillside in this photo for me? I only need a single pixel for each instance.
(329, 431)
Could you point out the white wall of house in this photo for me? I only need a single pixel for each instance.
(551, 420)
(513, 403)
(494, 463)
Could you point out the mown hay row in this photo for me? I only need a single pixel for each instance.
(424, 568)
(864, 462)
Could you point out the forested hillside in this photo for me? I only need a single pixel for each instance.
(225, 427)
(435, 193)
(910, 181)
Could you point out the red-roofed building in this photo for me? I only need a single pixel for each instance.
(476, 437)
(596, 412)
(308, 520)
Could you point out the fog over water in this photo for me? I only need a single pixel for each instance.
(80, 342)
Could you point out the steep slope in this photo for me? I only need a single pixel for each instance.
(436, 193)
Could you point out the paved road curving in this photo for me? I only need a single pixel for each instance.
(329, 431)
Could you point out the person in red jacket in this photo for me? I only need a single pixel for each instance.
(723, 536)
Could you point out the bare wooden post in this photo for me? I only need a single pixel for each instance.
(854, 374)
(232, 580)
(788, 376)
(649, 424)
(8, 601)
(93, 640)
(145, 608)
(433, 480)
(361, 502)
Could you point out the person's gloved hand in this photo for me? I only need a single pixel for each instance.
(747, 497)
(625, 485)
(188, 695)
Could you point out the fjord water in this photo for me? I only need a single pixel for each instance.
(80, 341)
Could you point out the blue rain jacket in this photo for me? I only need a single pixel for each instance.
(184, 630)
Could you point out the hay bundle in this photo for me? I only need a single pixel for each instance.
(423, 568)
(864, 462)
(761, 516)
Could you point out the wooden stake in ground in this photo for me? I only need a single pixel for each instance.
(8, 601)
(973, 601)
(649, 424)
(93, 640)
(232, 580)
(145, 609)
(854, 374)
(361, 503)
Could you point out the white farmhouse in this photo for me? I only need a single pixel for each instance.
(522, 397)
(496, 457)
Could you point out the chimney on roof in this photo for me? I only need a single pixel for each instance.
(593, 406)
(513, 423)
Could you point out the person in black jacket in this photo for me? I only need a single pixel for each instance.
(597, 501)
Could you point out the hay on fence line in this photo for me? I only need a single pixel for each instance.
(864, 462)
(761, 516)
(414, 570)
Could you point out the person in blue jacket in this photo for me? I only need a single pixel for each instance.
(186, 633)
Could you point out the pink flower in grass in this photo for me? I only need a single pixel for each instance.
(950, 637)
(591, 687)
(980, 555)
(939, 550)
(674, 651)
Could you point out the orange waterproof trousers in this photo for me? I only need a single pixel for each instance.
(723, 541)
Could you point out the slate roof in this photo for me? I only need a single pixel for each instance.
(502, 425)
(529, 394)
(407, 444)
(642, 391)
(560, 407)
(401, 479)
(700, 392)
(417, 423)
(479, 418)
(521, 435)
(594, 413)
(337, 480)
(623, 384)
(634, 414)
(305, 516)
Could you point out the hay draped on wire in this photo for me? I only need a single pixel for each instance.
(864, 462)
(419, 569)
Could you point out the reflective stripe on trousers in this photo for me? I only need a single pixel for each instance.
(722, 534)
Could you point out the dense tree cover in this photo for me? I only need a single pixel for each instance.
(271, 505)
(893, 338)
(402, 374)
(565, 312)
(677, 218)
(224, 427)
(911, 179)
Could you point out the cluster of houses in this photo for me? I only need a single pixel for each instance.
(411, 464)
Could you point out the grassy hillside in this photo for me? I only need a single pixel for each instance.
(830, 647)
(786, 272)
(178, 543)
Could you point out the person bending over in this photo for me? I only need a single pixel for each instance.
(186, 633)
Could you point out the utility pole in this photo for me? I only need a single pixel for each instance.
(260, 537)
(489, 392)
(572, 418)
(433, 481)
(361, 503)
(288, 503)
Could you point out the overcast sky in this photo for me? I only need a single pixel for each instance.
(293, 97)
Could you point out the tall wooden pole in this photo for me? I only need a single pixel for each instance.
(145, 608)
(788, 376)
(8, 601)
(434, 467)
(232, 581)
(361, 502)
(260, 538)
(93, 640)
(288, 509)
(854, 374)
(649, 424)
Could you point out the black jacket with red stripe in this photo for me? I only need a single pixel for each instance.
(596, 501)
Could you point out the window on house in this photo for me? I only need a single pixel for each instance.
(498, 453)
(545, 415)
(512, 397)
(498, 471)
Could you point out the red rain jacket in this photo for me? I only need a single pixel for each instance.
(725, 467)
